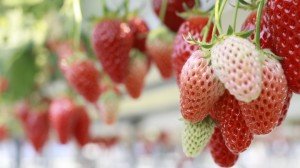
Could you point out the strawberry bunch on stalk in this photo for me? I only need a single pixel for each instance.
(233, 86)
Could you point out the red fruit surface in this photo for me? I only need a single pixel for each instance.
(182, 49)
(81, 126)
(37, 129)
(22, 110)
(220, 153)
(262, 114)
(172, 20)
(284, 26)
(3, 84)
(140, 31)
(3, 132)
(83, 77)
(199, 88)
(236, 134)
(112, 41)
(135, 79)
(285, 107)
(62, 115)
(265, 35)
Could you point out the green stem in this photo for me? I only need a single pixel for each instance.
(104, 7)
(163, 10)
(207, 27)
(235, 14)
(78, 21)
(221, 12)
(258, 20)
(197, 4)
(126, 9)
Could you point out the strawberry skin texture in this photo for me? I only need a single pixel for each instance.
(62, 116)
(37, 129)
(182, 49)
(199, 88)
(219, 151)
(81, 126)
(236, 134)
(112, 41)
(265, 34)
(285, 107)
(140, 31)
(83, 76)
(284, 26)
(172, 20)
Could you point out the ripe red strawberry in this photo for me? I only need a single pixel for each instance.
(22, 110)
(262, 114)
(140, 31)
(62, 115)
(83, 77)
(182, 49)
(283, 18)
(172, 20)
(112, 41)
(159, 48)
(236, 134)
(199, 88)
(236, 63)
(37, 129)
(220, 153)
(137, 72)
(285, 107)
(265, 35)
(81, 126)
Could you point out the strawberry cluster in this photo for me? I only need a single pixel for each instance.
(230, 89)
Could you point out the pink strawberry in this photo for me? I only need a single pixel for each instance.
(199, 88)
(262, 114)
(220, 153)
(112, 41)
(236, 134)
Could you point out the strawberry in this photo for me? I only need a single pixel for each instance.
(112, 41)
(140, 31)
(236, 134)
(159, 48)
(199, 88)
(283, 19)
(219, 151)
(137, 72)
(236, 62)
(196, 135)
(171, 19)
(182, 49)
(81, 126)
(3, 132)
(22, 110)
(62, 115)
(262, 114)
(265, 35)
(109, 106)
(3, 84)
(83, 76)
(285, 107)
(37, 128)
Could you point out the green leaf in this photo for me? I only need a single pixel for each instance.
(21, 73)
(245, 34)
(244, 2)
(230, 30)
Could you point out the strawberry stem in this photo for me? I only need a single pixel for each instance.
(219, 8)
(207, 27)
(163, 10)
(126, 3)
(258, 20)
(78, 21)
(235, 14)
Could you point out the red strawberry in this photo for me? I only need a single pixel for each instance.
(159, 48)
(220, 153)
(3, 132)
(83, 76)
(137, 72)
(81, 126)
(199, 88)
(62, 115)
(182, 49)
(236, 134)
(265, 35)
(3, 84)
(285, 107)
(283, 18)
(22, 110)
(171, 19)
(262, 114)
(140, 31)
(112, 41)
(37, 128)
